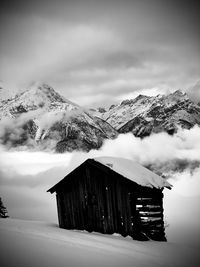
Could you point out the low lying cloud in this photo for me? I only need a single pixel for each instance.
(183, 148)
(25, 176)
(157, 148)
(24, 130)
(14, 130)
(186, 183)
(169, 154)
(32, 163)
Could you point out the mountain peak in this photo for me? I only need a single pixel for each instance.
(41, 86)
(42, 95)
(146, 114)
(177, 95)
(37, 96)
(45, 92)
(132, 101)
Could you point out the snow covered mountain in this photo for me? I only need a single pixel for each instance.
(146, 114)
(43, 119)
(41, 116)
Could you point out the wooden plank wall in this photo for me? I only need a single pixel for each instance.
(149, 206)
(96, 200)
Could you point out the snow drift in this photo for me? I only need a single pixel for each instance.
(26, 243)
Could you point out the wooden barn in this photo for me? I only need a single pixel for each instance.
(112, 195)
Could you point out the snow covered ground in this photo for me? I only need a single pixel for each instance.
(24, 179)
(34, 243)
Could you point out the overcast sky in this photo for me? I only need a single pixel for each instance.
(100, 51)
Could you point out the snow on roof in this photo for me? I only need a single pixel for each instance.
(134, 172)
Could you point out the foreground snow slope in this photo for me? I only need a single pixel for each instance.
(31, 243)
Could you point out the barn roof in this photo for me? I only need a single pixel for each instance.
(128, 169)
(134, 172)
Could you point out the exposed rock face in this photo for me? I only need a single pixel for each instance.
(40, 117)
(144, 114)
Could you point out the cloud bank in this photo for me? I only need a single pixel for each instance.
(172, 156)
(27, 128)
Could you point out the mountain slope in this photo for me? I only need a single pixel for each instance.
(145, 114)
(39, 116)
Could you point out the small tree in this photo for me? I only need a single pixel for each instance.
(3, 210)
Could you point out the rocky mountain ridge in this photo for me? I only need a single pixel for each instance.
(148, 114)
(41, 116)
